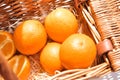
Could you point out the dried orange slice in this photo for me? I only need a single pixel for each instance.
(7, 44)
(20, 64)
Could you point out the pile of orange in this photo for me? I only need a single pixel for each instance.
(67, 49)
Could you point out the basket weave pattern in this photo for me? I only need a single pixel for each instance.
(106, 14)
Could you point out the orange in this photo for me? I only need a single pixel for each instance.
(7, 44)
(20, 64)
(30, 37)
(60, 24)
(49, 58)
(77, 51)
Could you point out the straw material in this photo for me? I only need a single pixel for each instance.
(13, 12)
(99, 19)
(107, 16)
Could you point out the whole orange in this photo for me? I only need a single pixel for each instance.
(49, 58)
(77, 51)
(60, 24)
(30, 37)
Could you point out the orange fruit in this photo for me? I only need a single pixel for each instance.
(20, 64)
(30, 37)
(7, 44)
(49, 58)
(77, 51)
(60, 24)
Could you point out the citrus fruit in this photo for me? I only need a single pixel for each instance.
(30, 37)
(60, 24)
(7, 44)
(49, 58)
(77, 51)
(20, 64)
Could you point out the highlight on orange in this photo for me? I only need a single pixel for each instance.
(49, 58)
(60, 24)
(30, 37)
(77, 51)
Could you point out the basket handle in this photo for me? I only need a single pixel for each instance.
(5, 70)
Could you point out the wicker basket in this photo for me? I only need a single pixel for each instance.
(100, 19)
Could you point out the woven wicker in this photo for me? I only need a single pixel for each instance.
(106, 14)
(100, 19)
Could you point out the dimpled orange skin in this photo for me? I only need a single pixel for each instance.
(60, 24)
(30, 37)
(77, 51)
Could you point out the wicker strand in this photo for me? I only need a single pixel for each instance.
(114, 56)
(106, 15)
(91, 23)
(114, 59)
(87, 73)
(103, 19)
(11, 11)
